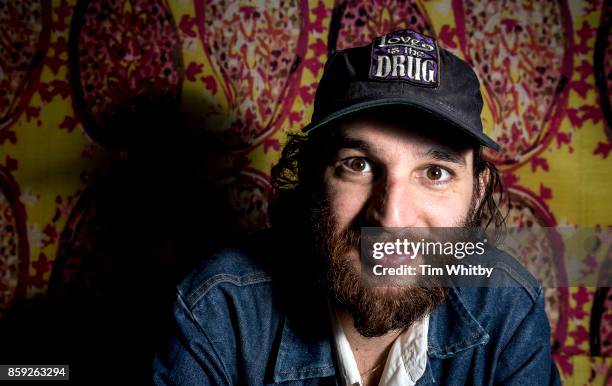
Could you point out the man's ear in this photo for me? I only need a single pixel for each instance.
(483, 182)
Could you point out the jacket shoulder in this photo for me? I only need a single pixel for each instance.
(511, 295)
(236, 266)
(509, 272)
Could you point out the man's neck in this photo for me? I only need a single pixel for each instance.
(370, 353)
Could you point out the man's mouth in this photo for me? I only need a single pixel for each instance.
(391, 260)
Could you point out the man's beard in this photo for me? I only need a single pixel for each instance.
(375, 310)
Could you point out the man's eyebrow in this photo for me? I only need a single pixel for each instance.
(444, 155)
(353, 143)
(438, 154)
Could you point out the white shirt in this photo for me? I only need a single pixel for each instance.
(406, 361)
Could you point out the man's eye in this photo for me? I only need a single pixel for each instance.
(437, 174)
(358, 165)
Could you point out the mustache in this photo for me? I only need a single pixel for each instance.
(323, 224)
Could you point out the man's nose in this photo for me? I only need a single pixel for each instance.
(392, 204)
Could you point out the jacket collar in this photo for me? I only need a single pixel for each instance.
(452, 329)
(302, 358)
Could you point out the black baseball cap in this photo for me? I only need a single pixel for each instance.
(402, 68)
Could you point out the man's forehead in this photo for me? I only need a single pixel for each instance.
(374, 134)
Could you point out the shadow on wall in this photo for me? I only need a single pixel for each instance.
(139, 226)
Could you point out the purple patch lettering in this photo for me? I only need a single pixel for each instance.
(408, 56)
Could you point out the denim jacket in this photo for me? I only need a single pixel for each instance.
(238, 321)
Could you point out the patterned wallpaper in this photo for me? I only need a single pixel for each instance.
(154, 124)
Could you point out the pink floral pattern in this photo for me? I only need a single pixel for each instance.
(68, 67)
(522, 54)
(122, 52)
(258, 49)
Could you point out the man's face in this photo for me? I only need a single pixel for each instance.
(393, 177)
(385, 175)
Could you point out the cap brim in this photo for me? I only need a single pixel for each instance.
(439, 111)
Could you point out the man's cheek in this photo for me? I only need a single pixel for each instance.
(448, 211)
(346, 202)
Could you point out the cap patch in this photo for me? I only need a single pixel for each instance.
(408, 56)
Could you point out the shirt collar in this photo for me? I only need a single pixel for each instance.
(347, 366)
(404, 365)
(452, 329)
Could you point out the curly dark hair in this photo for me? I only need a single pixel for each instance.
(297, 180)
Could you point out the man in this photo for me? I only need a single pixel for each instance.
(395, 141)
